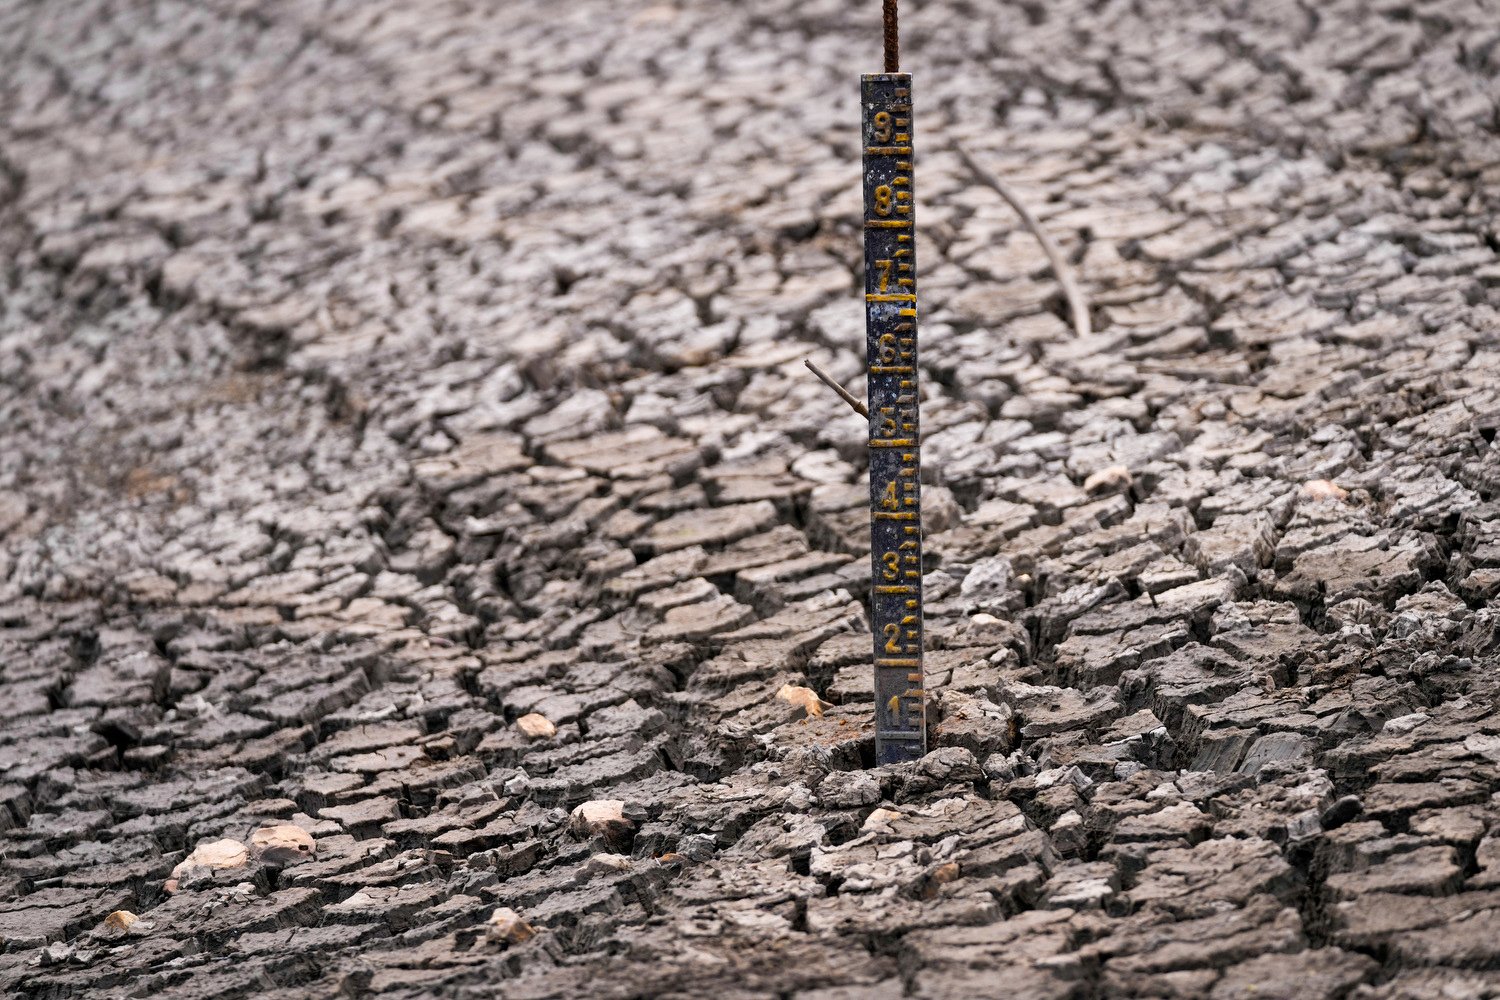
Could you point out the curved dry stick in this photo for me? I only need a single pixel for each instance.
(1077, 304)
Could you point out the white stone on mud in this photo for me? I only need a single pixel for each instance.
(603, 862)
(599, 818)
(536, 727)
(804, 698)
(880, 819)
(506, 926)
(1324, 490)
(1114, 479)
(217, 855)
(282, 843)
(116, 924)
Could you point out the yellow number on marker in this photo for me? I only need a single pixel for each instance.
(883, 200)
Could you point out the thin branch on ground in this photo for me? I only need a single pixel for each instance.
(1077, 304)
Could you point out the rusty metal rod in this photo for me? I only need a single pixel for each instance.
(892, 41)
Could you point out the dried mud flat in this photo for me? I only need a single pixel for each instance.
(374, 374)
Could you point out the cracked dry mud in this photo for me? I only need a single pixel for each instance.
(374, 375)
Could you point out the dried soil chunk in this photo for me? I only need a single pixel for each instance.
(713, 527)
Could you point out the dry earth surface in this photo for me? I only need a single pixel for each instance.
(375, 374)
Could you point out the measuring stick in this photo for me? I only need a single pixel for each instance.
(895, 448)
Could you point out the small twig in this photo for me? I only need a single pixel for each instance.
(1077, 304)
(844, 394)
